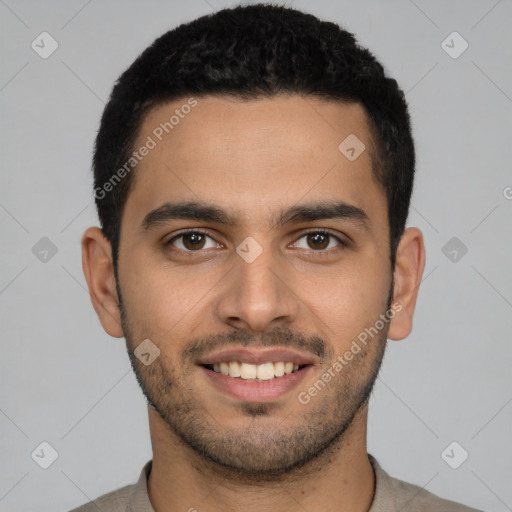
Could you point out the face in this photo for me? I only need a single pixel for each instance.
(249, 238)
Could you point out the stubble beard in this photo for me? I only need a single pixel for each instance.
(267, 447)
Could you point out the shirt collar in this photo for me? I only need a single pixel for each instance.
(139, 496)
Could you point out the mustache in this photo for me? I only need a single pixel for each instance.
(280, 336)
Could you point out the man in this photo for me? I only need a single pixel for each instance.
(253, 173)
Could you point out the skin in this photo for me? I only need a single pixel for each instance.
(211, 451)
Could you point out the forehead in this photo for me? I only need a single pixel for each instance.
(254, 157)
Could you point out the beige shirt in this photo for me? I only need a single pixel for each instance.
(391, 495)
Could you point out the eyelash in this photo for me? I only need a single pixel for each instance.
(344, 244)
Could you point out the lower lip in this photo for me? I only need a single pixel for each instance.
(251, 391)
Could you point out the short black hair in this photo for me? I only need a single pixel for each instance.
(250, 52)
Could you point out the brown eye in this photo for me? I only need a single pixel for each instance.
(192, 241)
(320, 241)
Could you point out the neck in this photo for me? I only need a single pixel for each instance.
(340, 479)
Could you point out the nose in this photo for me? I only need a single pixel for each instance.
(258, 295)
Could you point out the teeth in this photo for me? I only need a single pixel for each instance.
(279, 369)
(248, 371)
(234, 369)
(265, 371)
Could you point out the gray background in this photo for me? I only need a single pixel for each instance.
(66, 382)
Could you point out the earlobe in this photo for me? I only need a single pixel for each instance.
(410, 263)
(99, 274)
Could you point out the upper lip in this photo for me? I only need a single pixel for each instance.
(257, 356)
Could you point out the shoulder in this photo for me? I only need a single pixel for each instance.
(126, 499)
(394, 494)
(115, 501)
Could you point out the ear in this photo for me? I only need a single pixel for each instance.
(410, 262)
(99, 274)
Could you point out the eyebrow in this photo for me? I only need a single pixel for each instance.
(193, 210)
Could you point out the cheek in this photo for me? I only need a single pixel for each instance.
(349, 301)
(161, 299)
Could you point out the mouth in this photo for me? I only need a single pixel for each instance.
(256, 375)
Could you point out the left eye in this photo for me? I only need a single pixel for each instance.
(319, 240)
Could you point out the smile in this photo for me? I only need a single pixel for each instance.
(252, 372)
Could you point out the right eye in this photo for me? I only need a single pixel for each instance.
(192, 240)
